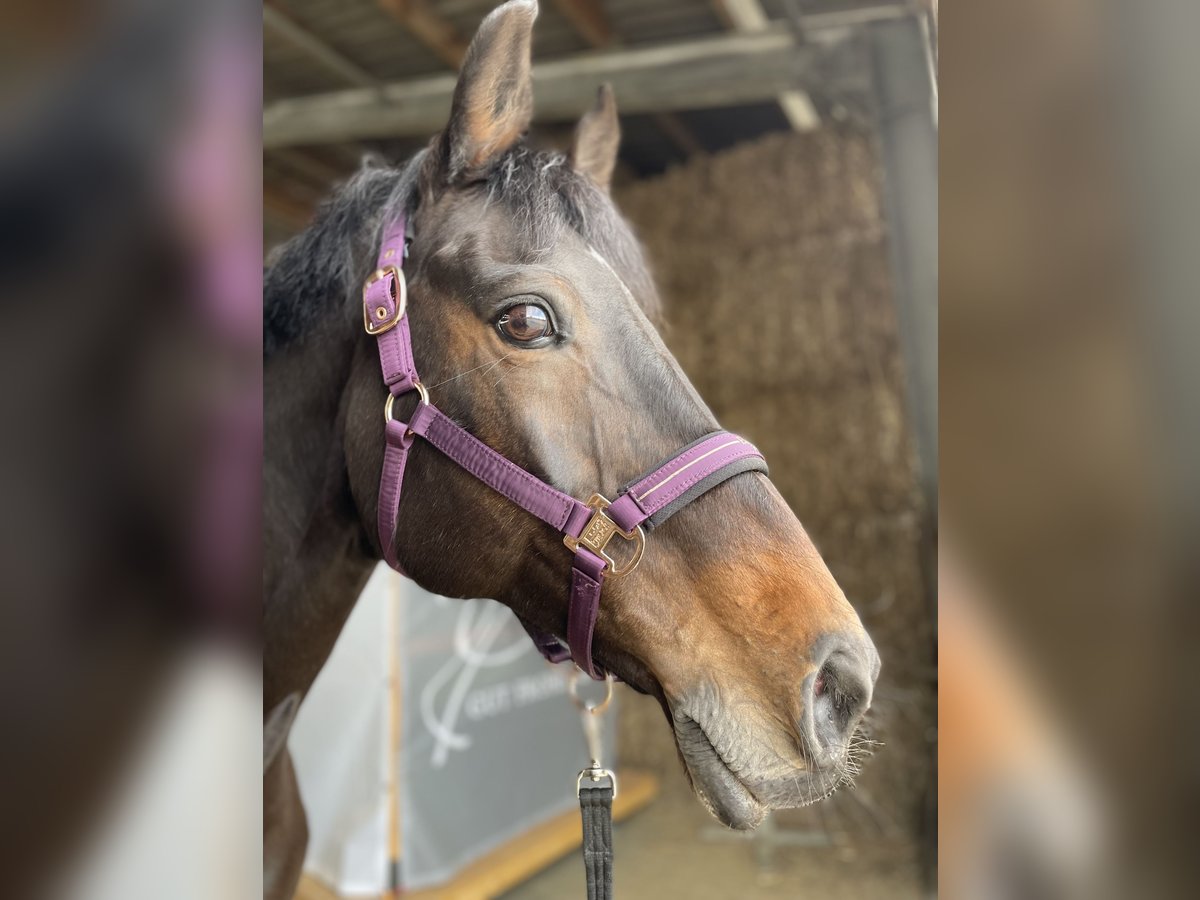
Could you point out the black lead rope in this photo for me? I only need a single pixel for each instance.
(596, 799)
(595, 806)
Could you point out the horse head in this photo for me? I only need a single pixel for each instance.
(532, 314)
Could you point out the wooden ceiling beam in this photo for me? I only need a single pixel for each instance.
(431, 29)
(285, 208)
(310, 166)
(312, 46)
(724, 70)
(749, 16)
(679, 134)
(589, 19)
(316, 170)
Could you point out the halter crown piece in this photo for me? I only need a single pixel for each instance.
(586, 528)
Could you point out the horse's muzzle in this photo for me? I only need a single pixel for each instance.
(836, 695)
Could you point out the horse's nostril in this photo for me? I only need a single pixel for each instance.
(839, 693)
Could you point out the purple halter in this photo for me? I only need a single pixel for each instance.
(587, 528)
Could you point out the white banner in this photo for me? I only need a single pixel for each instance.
(489, 743)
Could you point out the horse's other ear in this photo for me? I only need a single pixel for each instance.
(493, 100)
(597, 137)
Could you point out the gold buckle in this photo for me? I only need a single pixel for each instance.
(376, 320)
(599, 530)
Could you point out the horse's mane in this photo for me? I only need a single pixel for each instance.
(317, 271)
(320, 270)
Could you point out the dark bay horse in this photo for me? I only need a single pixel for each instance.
(532, 316)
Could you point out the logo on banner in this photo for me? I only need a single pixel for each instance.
(486, 637)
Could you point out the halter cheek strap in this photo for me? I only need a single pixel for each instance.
(586, 528)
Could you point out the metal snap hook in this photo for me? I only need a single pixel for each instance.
(582, 705)
(591, 713)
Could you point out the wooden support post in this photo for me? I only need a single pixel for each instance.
(905, 97)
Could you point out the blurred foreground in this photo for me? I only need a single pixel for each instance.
(1069, 444)
(130, 272)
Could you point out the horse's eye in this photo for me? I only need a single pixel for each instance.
(525, 322)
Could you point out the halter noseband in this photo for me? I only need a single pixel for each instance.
(587, 528)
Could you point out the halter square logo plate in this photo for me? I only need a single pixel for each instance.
(599, 530)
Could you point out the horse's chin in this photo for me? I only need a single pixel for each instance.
(736, 801)
(719, 789)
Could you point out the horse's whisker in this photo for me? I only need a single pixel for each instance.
(501, 378)
(488, 365)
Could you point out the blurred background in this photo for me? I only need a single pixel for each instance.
(1068, 315)
(779, 162)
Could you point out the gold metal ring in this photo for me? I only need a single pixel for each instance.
(580, 703)
(387, 406)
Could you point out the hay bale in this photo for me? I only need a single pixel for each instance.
(772, 261)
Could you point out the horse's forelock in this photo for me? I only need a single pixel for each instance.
(544, 192)
(311, 275)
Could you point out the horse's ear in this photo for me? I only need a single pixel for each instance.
(493, 100)
(597, 137)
